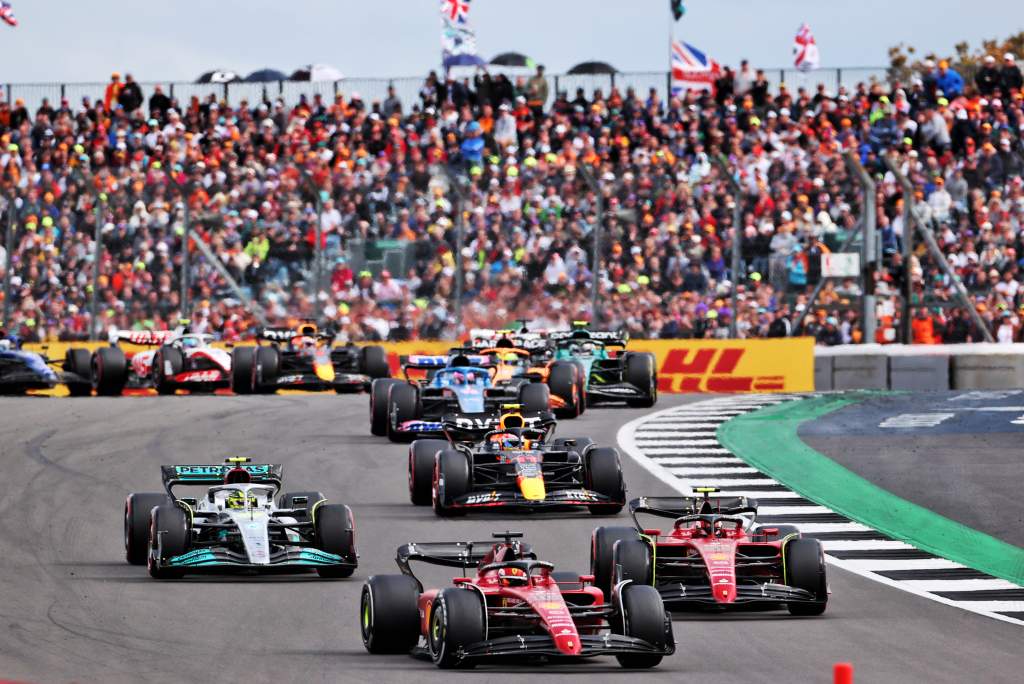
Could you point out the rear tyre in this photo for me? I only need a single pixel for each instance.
(335, 533)
(604, 476)
(534, 397)
(562, 381)
(422, 453)
(640, 372)
(373, 361)
(293, 500)
(403, 405)
(137, 508)
(452, 479)
(602, 545)
(242, 361)
(634, 557)
(379, 405)
(167, 363)
(169, 536)
(389, 618)
(265, 370)
(79, 363)
(109, 371)
(643, 617)
(805, 569)
(456, 621)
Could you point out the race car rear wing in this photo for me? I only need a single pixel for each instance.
(142, 337)
(607, 337)
(425, 361)
(286, 334)
(463, 554)
(461, 427)
(206, 474)
(680, 506)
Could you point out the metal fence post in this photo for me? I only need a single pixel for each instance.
(9, 247)
(170, 90)
(183, 303)
(595, 245)
(869, 220)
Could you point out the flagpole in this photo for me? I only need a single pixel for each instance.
(671, 39)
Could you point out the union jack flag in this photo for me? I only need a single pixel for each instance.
(7, 14)
(692, 69)
(805, 50)
(457, 11)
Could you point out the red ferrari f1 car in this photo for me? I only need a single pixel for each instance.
(714, 555)
(513, 605)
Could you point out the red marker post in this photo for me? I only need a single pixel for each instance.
(842, 673)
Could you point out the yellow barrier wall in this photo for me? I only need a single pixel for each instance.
(775, 365)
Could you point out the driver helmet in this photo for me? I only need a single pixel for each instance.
(6, 344)
(189, 342)
(470, 378)
(238, 500)
(513, 577)
(510, 441)
(458, 378)
(574, 348)
(237, 476)
(305, 342)
(587, 347)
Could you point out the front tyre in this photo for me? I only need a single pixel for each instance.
(456, 621)
(422, 453)
(805, 569)
(643, 617)
(170, 535)
(242, 361)
(379, 389)
(137, 508)
(604, 476)
(452, 480)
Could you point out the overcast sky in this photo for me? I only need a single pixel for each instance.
(177, 40)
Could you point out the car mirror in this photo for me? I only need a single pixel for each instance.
(652, 532)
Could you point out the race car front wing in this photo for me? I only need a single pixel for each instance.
(557, 498)
(746, 594)
(286, 560)
(544, 645)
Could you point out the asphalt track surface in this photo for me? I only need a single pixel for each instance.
(73, 610)
(968, 467)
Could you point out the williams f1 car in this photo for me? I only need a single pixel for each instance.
(303, 358)
(180, 360)
(508, 604)
(22, 371)
(714, 555)
(237, 525)
(455, 384)
(516, 465)
(612, 374)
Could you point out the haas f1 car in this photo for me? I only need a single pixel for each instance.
(516, 465)
(612, 374)
(240, 524)
(714, 555)
(303, 358)
(509, 604)
(22, 371)
(456, 384)
(180, 360)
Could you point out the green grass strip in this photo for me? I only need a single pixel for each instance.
(767, 440)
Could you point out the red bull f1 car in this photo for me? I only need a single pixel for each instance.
(506, 605)
(404, 409)
(302, 358)
(239, 523)
(714, 555)
(516, 465)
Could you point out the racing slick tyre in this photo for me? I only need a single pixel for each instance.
(604, 476)
(562, 381)
(456, 621)
(265, 370)
(534, 397)
(403, 405)
(169, 536)
(452, 479)
(242, 361)
(805, 569)
(640, 372)
(602, 545)
(137, 508)
(373, 361)
(379, 405)
(634, 558)
(389, 615)
(421, 469)
(109, 371)
(288, 500)
(334, 530)
(167, 363)
(78, 362)
(642, 616)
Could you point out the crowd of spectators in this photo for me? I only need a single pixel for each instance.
(257, 177)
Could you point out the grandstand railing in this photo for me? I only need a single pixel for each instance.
(407, 88)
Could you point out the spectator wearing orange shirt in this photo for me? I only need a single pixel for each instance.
(923, 328)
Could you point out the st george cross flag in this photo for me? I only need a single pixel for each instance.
(692, 69)
(458, 42)
(7, 14)
(805, 50)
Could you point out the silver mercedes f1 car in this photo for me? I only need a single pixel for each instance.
(239, 524)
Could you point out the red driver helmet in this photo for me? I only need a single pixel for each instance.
(237, 476)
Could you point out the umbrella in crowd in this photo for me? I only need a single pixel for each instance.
(317, 72)
(265, 76)
(593, 68)
(513, 59)
(219, 76)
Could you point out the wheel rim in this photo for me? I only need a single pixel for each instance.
(127, 514)
(437, 632)
(367, 616)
